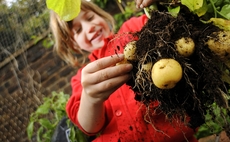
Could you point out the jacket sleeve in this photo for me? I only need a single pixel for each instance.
(127, 32)
(73, 103)
(134, 24)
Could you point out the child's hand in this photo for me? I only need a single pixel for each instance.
(102, 77)
(144, 3)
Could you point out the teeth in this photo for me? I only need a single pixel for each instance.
(97, 34)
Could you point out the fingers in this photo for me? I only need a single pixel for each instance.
(102, 77)
(105, 74)
(138, 3)
(107, 87)
(104, 69)
(103, 63)
(144, 3)
(112, 72)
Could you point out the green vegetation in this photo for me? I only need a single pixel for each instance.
(216, 125)
(47, 117)
(129, 11)
(54, 105)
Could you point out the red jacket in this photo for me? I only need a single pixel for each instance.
(127, 120)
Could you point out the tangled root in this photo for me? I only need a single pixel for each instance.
(201, 84)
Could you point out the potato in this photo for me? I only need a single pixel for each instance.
(166, 73)
(219, 44)
(185, 46)
(125, 61)
(147, 67)
(130, 50)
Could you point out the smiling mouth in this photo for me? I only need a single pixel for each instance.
(97, 35)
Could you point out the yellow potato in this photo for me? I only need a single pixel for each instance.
(166, 73)
(125, 61)
(220, 45)
(185, 46)
(147, 67)
(129, 51)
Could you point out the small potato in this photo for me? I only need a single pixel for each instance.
(185, 46)
(147, 67)
(129, 51)
(125, 61)
(219, 44)
(166, 73)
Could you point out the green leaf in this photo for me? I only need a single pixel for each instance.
(66, 9)
(174, 11)
(80, 136)
(43, 109)
(192, 4)
(30, 129)
(72, 135)
(33, 117)
(200, 12)
(47, 134)
(45, 123)
(221, 23)
(149, 9)
(225, 11)
(39, 133)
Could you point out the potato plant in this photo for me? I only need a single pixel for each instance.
(187, 49)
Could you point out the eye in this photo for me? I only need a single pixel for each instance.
(90, 17)
(78, 30)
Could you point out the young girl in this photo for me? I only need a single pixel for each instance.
(101, 103)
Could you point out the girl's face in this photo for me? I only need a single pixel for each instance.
(90, 30)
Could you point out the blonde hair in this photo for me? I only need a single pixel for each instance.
(65, 46)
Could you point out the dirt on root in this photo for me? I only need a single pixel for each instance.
(201, 84)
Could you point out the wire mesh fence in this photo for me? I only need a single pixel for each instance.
(21, 22)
